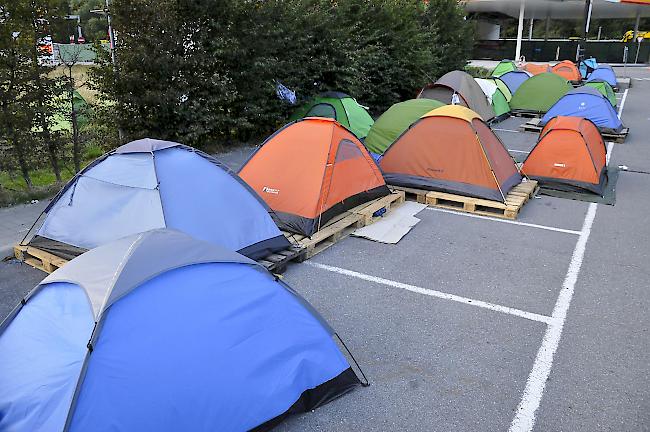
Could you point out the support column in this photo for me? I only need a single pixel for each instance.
(520, 29)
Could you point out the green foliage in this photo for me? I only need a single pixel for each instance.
(94, 26)
(452, 36)
(204, 72)
(478, 72)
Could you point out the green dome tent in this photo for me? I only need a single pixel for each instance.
(605, 89)
(398, 118)
(495, 98)
(539, 93)
(61, 120)
(341, 107)
(503, 87)
(503, 67)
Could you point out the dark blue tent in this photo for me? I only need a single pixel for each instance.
(589, 103)
(604, 73)
(149, 184)
(161, 332)
(587, 66)
(514, 79)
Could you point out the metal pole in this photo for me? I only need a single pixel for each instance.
(520, 29)
(110, 33)
(582, 45)
(638, 47)
(530, 29)
(636, 23)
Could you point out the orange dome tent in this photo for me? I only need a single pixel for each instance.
(568, 70)
(569, 155)
(450, 149)
(536, 69)
(311, 170)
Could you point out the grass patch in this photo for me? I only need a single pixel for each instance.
(80, 75)
(13, 189)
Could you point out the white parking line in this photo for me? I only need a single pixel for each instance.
(438, 294)
(526, 224)
(622, 104)
(518, 151)
(505, 130)
(525, 418)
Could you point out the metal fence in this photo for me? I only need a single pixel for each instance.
(540, 50)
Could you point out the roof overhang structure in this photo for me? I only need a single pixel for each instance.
(560, 9)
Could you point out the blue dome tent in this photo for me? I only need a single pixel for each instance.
(587, 66)
(162, 332)
(149, 184)
(514, 79)
(604, 73)
(589, 103)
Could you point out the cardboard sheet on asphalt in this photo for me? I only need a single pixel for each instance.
(395, 225)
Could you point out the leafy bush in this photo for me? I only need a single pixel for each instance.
(205, 72)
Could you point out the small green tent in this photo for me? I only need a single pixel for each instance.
(398, 118)
(341, 107)
(61, 120)
(504, 88)
(539, 93)
(495, 97)
(503, 67)
(605, 89)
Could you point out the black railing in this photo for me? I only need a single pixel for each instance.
(540, 50)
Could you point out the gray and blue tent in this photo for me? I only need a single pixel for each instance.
(587, 66)
(514, 79)
(589, 103)
(162, 332)
(604, 72)
(149, 184)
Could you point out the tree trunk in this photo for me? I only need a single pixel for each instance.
(76, 147)
(51, 146)
(22, 162)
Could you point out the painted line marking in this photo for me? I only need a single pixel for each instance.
(610, 147)
(507, 130)
(525, 418)
(437, 294)
(526, 224)
(622, 104)
(518, 151)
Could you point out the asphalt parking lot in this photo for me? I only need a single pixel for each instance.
(479, 324)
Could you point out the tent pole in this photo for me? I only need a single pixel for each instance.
(530, 29)
(520, 29)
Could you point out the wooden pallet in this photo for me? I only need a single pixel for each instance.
(342, 225)
(39, 259)
(515, 200)
(533, 125)
(277, 262)
(301, 249)
(47, 262)
(526, 114)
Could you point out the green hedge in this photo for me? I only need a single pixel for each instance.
(203, 72)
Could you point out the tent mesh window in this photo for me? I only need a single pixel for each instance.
(347, 150)
(322, 110)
